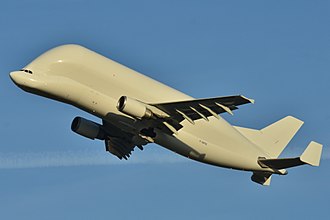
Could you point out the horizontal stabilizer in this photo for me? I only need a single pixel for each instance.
(262, 178)
(311, 156)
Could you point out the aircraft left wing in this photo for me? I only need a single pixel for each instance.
(166, 116)
(192, 110)
(170, 115)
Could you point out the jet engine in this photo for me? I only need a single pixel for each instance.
(134, 108)
(87, 128)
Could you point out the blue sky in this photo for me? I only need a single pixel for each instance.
(277, 52)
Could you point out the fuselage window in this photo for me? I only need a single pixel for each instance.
(27, 71)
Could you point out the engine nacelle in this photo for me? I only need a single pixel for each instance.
(87, 128)
(134, 108)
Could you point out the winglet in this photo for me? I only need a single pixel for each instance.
(312, 154)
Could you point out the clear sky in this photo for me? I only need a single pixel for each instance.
(277, 52)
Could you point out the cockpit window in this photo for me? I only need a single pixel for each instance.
(27, 71)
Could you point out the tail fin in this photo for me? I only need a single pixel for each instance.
(275, 137)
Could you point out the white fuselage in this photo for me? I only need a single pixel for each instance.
(89, 81)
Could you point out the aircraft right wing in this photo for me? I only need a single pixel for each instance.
(121, 143)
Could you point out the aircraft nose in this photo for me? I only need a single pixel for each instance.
(17, 77)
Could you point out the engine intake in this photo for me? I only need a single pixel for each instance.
(87, 128)
(133, 108)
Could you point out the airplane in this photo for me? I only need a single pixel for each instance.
(136, 110)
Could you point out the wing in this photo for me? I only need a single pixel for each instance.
(121, 143)
(167, 118)
(120, 147)
(192, 110)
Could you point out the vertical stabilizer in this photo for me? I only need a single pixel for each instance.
(275, 137)
(281, 133)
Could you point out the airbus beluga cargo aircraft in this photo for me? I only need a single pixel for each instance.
(137, 110)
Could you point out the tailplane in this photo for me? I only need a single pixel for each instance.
(311, 156)
(273, 139)
(262, 178)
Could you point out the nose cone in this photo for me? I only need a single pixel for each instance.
(24, 80)
(18, 78)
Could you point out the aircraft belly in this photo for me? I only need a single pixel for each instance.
(220, 144)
